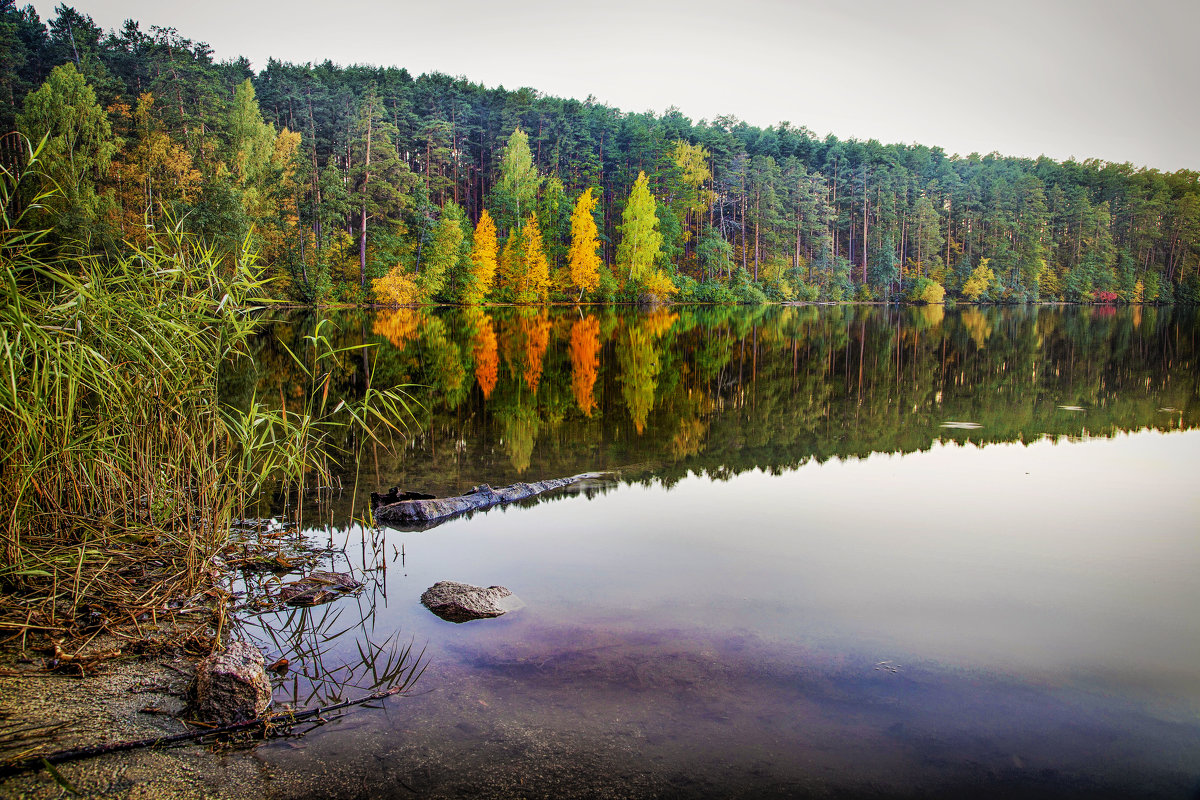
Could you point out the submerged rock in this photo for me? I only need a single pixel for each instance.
(462, 602)
(317, 587)
(412, 509)
(231, 685)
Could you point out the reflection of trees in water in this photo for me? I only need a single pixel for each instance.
(585, 361)
(523, 342)
(483, 350)
(520, 427)
(977, 325)
(399, 326)
(722, 390)
(637, 358)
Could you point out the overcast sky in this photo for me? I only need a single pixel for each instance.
(1084, 78)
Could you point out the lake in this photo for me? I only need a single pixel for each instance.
(847, 551)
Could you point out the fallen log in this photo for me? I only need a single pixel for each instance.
(411, 509)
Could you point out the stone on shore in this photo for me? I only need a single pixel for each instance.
(231, 686)
(462, 602)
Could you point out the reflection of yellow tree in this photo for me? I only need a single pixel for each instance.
(399, 326)
(638, 358)
(689, 439)
(928, 317)
(487, 357)
(585, 361)
(977, 325)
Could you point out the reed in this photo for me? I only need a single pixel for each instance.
(120, 469)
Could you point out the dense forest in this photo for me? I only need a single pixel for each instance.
(366, 184)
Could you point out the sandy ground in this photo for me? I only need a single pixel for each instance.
(105, 708)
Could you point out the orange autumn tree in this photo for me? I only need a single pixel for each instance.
(483, 261)
(585, 361)
(582, 259)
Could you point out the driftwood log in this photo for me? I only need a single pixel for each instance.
(411, 509)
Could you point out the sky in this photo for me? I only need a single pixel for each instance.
(1064, 78)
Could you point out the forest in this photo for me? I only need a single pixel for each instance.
(365, 184)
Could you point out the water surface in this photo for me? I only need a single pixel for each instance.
(850, 551)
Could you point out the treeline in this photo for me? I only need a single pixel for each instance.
(361, 183)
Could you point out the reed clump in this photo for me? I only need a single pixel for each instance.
(120, 469)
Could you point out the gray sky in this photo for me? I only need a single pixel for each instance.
(1099, 79)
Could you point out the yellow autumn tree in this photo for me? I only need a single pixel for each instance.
(979, 281)
(483, 261)
(533, 283)
(153, 174)
(397, 288)
(583, 260)
(509, 266)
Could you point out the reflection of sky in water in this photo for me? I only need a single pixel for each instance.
(1038, 602)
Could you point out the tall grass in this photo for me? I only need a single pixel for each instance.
(120, 471)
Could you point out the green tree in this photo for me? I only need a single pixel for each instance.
(640, 238)
(78, 150)
(445, 251)
(515, 193)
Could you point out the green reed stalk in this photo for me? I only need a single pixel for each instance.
(114, 447)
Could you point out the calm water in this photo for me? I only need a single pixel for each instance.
(849, 552)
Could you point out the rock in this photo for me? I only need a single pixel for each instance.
(462, 602)
(317, 587)
(411, 509)
(231, 686)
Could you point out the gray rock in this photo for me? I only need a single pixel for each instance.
(462, 602)
(231, 686)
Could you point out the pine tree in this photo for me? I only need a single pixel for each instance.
(583, 260)
(483, 261)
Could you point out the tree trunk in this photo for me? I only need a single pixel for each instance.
(362, 235)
